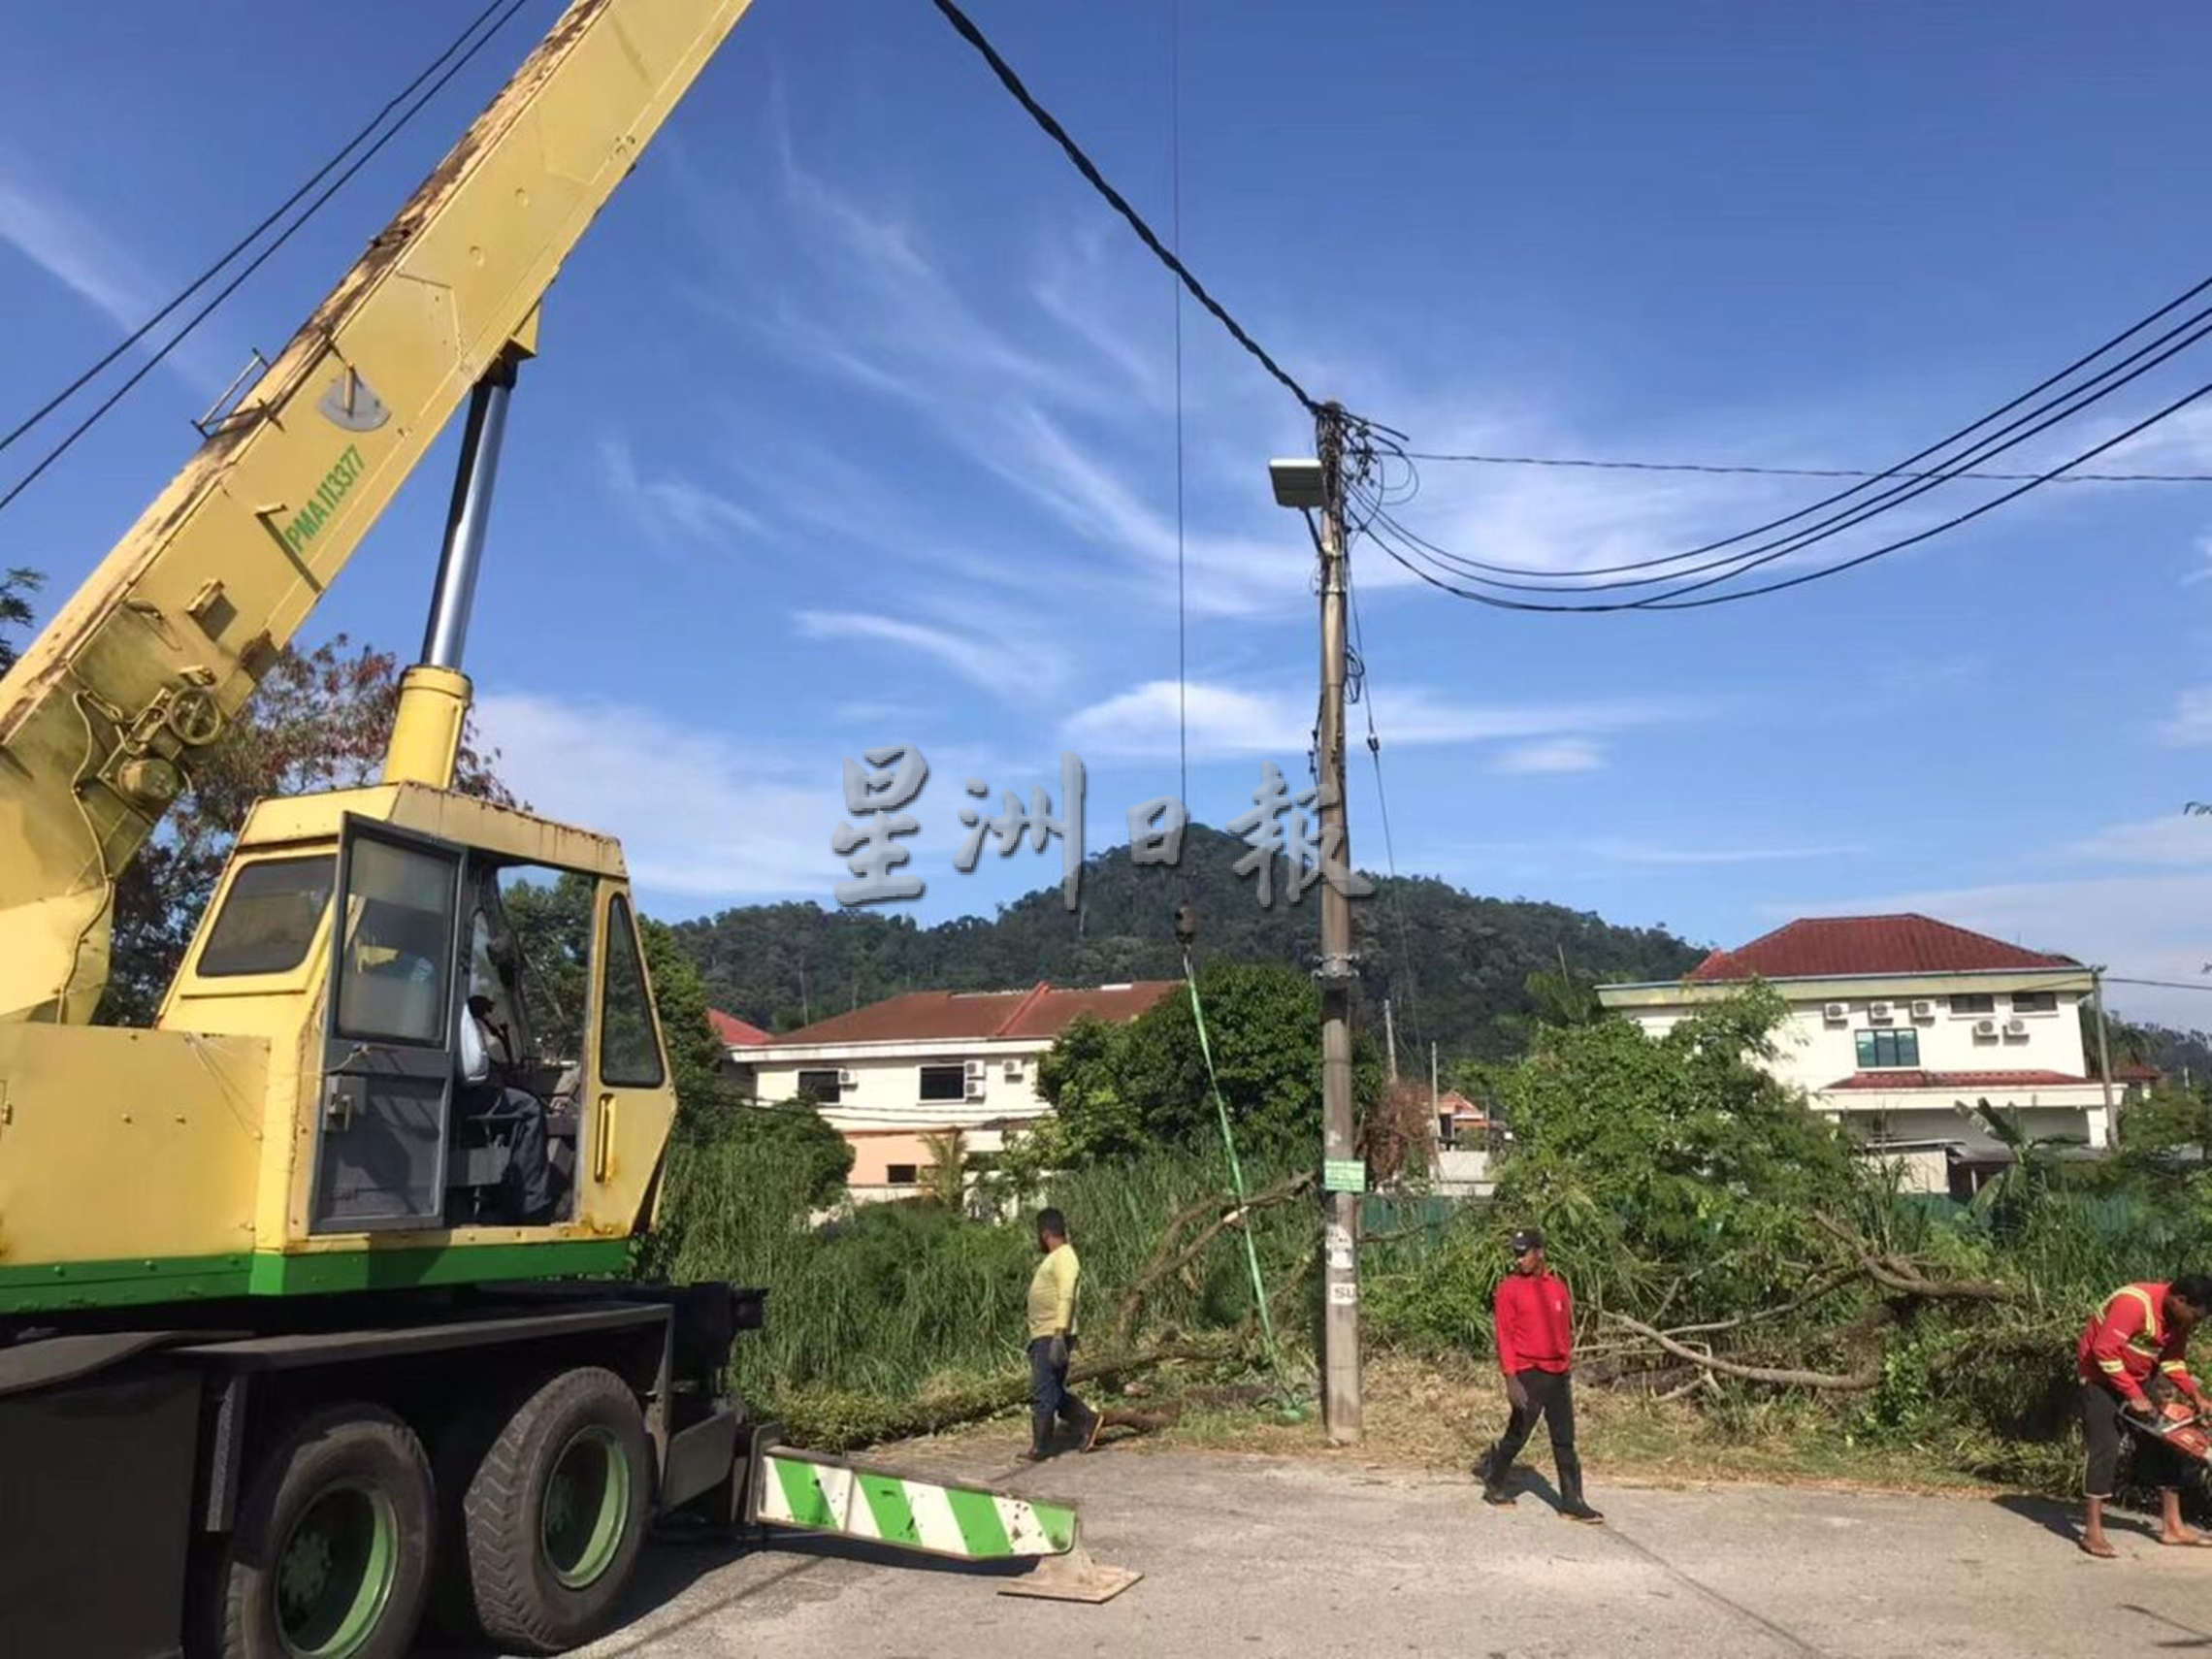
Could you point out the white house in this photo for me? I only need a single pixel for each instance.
(1900, 1024)
(894, 1072)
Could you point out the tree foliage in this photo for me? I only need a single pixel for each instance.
(1677, 1167)
(319, 721)
(1455, 966)
(16, 589)
(1119, 1090)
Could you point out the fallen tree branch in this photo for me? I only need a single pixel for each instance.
(1901, 1275)
(1858, 1381)
(1168, 1260)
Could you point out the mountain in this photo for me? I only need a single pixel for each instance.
(1454, 965)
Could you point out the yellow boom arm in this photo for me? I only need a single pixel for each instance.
(147, 661)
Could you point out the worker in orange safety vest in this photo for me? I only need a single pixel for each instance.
(2137, 1344)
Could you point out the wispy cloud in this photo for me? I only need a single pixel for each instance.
(75, 252)
(2176, 839)
(2190, 726)
(1552, 755)
(1621, 851)
(71, 250)
(1227, 720)
(671, 504)
(697, 814)
(983, 661)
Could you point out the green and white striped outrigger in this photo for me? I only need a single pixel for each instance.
(968, 1523)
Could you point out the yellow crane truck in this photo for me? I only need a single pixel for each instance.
(283, 1361)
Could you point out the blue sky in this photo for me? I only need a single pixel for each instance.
(855, 426)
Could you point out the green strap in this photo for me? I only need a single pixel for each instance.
(1236, 1176)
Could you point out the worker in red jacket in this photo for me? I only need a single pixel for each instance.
(2135, 1346)
(1536, 1350)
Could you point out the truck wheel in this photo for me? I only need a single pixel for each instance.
(555, 1515)
(331, 1556)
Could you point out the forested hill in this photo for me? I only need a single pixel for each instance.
(1455, 971)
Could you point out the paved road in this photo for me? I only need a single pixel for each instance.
(1248, 1556)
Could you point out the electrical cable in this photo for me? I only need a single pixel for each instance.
(246, 240)
(1736, 469)
(1664, 603)
(68, 441)
(1914, 460)
(1181, 608)
(1114, 199)
(2042, 419)
(1382, 804)
(1897, 494)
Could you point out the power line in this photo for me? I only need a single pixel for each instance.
(68, 441)
(1114, 199)
(2158, 984)
(1382, 804)
(1672, 603)
(1733, 565)
(1182, 610)
(246, 240)
(1728, 470)
(2036, 420)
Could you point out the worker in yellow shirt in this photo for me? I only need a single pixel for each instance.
(1051, 1339)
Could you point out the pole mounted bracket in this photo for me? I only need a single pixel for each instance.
(1337, 968)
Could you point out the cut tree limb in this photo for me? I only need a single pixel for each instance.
(1173, 1255)
(1857, 1381)
(1902, 1275)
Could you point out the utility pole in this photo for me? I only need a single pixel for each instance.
(1309, 486)
(1340, 1327)
(2103, 1048)
(1390, 1039)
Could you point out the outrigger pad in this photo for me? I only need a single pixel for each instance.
(1071, 1577)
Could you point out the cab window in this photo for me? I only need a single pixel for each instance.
(269, 917)
(395, 974)
(629, 1055)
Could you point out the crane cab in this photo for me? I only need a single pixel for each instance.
(303, 1117)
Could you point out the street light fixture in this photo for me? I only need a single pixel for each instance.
(1298, 484)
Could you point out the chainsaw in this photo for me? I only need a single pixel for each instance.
(2175, 1423)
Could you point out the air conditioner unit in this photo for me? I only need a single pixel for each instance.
(1923, 1010)
(846, 1079)
(1012, 1071)
(1880, 1013)
(975, 1089)
(1836, 1013)
(975, 1070)
(2016, 1027)
(1985, 1027)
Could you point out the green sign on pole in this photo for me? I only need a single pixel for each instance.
(1344, 1174)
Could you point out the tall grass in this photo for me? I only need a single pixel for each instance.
(913, 1301)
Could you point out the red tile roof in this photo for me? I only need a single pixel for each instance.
(734, 1032)
(1843, 947)
(1041, 1012)
(1458, 1106)
(2137, 1073)
(1960, 1080)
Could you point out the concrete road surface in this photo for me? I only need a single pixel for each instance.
(1249, 1555)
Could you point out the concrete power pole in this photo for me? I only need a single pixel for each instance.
(1390, 1038)
(1340, 1327)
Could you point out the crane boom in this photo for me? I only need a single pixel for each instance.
(100, 719)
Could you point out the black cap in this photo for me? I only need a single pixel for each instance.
(1526, 1240)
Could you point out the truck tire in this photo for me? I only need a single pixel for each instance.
(555, 1513)
(331, 1556)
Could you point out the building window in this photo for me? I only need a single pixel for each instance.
(821, 1085)
(944, 1083)
(1885, 1050)
(2035, 1002)
(901, 1174)
(1981, 1002)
